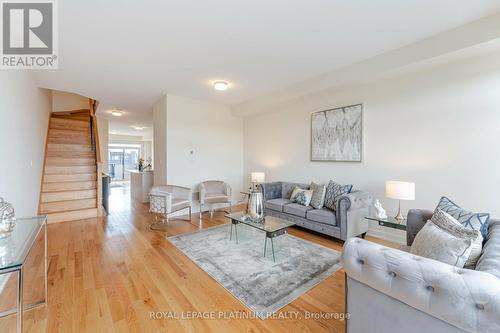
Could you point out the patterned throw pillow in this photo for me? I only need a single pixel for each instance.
(333, 192)
(301, 196)
(476, 221)
(444, 239)
(318, 196)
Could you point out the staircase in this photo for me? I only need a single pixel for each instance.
(69, 184)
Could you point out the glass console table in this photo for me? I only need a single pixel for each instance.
(272, 226)
(14, 249)
(389, 222)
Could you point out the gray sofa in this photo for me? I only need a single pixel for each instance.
(347, 221)
(388, 290)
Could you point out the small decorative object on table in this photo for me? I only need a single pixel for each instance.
(255, 200)
(380, 211)
(148, 167)
(7, 218)
(141, 164)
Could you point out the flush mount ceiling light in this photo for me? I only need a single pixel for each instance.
(139, 128)
(221, 85)
(117, 113)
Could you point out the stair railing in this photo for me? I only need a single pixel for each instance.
(94, 139)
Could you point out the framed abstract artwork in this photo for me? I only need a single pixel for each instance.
(337, 134)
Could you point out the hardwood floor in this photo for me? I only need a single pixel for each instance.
(109, 274)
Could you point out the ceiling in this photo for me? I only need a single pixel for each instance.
(126, 54)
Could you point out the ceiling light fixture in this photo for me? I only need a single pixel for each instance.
(221, 85)
(139, 128)
(117, 113)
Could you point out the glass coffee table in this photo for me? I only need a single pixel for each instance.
(271, 226)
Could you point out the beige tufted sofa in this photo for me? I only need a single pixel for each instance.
(389, 290)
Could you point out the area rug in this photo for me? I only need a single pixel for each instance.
(261, 284)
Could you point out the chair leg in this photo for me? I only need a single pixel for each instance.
(201, 209)
(189, 213)
(211, 212)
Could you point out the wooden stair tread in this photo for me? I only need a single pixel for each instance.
(68, 195)
(58, 147)
(69, 123)
(68, 186)
(70, 154)
(65, 178)
(69, 139)
(67, 205)
(69, 169)
(70, 161)
(56, 132)
(72, 215)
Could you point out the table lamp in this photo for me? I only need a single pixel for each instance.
(400, 191)
(257, 177)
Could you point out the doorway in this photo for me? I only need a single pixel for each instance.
(122, 158)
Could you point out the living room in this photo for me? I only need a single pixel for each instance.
(322, 167)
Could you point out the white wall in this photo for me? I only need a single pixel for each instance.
(204, 142)
(160, 140)
(439, 127)
(66, 101)
(24, 110)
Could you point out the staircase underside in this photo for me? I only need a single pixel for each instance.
(69, 187)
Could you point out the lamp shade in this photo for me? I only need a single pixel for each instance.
(258, 177)
(400, 190)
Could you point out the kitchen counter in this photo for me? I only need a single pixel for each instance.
(140, 184)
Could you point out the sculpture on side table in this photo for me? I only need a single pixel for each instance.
(7, 218)
(380, 211)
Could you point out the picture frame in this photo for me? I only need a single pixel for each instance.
(337, 134)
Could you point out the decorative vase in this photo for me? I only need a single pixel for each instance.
(7, 218)
(255, 205)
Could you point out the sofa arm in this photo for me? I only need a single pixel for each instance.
(160, 201)
(271, 190)
(467, 299)
(352, 208)
(416, 221)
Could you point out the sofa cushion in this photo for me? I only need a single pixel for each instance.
(322, 215)
(287, 188)
(296, 209)
(301, 196)
(333, 192)
(444, 239)
(277, 204)
(490, 258)
(318, 196)
(477, 221)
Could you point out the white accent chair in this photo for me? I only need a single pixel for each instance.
(214, 192)
(167, 199)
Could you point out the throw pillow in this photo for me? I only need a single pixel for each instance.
(445, 240)
(318, 196)
(301, 196)
(476, 221)
(333, 192)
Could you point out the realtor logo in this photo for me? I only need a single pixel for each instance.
(29, 34)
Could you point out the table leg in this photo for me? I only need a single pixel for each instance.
(20, 301)
(265, 246)
(46, 266)
(272, 246)
(231, 232)
(236, 232)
